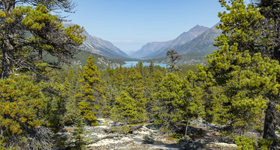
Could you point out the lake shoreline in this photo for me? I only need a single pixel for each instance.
(129, 64)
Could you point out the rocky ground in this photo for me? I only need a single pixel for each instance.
(203, 136)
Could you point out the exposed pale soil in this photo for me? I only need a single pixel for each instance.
(210, 139)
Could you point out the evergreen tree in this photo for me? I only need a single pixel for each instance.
(135, 89)
(152, 87)
(172, 59)
(79, 140)
(254, 29)
(171, 99)
(119, 81)
(194, 105)
(245, 84)
(111, 93)
(90, 98)
(21, 104)
(46, 34)
(151, 67)
(139, 67)
(125, 109)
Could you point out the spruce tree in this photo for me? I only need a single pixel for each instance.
(152, 87)
(135, 89)
(79, 140)
(151, 67)
(125, 109)
(171, 99)
(90, 98)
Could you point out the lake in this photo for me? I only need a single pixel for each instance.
(128, 64)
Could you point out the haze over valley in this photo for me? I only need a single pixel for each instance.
(198, 41)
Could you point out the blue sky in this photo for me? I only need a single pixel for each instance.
(130, 24)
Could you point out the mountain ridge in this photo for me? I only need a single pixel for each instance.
(158, 48)
(202, 44)
(99, 46)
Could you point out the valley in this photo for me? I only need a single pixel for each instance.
(170, 75)
(193, 45)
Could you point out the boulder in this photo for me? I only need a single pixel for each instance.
(195, 145)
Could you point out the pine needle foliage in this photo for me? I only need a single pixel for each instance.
(241, 79)
(171, 100)
(79, 140)
(90, 97)
(21, 104)
(125, 109)
(33, 30)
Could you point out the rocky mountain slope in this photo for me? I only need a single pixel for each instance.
(99, 46)
(202, 44)
(81, 59)
(149, 49)
(173, 44)
(197, 47)
(101, 61)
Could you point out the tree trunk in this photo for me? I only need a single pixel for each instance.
(7, 60)
(40, 55)
(7, 65)
(270, 124)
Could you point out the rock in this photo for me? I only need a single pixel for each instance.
(183, 142)
(148, 140)
(95, 129)
(226, 140)
(220, 145)
(92, 138)
(150, 120)
(153, 127)
(194, 146)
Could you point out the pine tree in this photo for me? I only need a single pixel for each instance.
(245, 85)
(79, 140)
(172, 59)
(135, 89)
(152, 87)
(125, 109)
(171, 99)
(89, 99)
(151, 68)
(21, 104)
(46, 34)
(139, 67)
(119, 81)
(254, 29)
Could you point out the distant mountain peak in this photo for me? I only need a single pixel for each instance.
(198, 28)
(99, 46)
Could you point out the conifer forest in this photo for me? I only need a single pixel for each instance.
(237, 89)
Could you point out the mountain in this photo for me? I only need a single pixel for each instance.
(99, 46)
(130, 52)
(81, 59)
(187, 36)
(101, 61)
(202, 44)
(149, 49)
(180, 40)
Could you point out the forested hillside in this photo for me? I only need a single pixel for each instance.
(80, 58)
(99, 46)
(42, 89)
